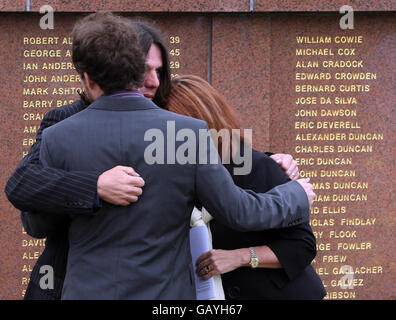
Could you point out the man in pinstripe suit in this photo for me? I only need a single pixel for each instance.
(78, 192)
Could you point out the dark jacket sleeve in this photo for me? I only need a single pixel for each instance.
(35, 188)
(245, 210)
(295, 247)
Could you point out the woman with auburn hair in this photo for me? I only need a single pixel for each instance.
(272, 264)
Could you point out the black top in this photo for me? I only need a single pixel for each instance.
(295, 247)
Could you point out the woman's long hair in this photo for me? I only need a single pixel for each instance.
(149, 35)
(194, 97)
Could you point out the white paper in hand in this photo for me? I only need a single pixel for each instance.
(199, 243)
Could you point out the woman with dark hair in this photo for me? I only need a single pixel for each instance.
(272, 264)
(157, 81)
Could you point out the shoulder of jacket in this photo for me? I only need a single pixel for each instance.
(189, 122)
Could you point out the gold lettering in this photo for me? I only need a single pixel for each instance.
(314, 52)
(33, 243)
(346, 51)
(30, 66)
(65, 90)
(337, 234)
(322, 223)
(333, 161)
(306, 113)
(321, 136)
(67, 40)
(348, 39)
(33, 116)
(57, 66)
(35, 91)
(356, 148)
(307, 64)
(334, 259)
(350, 185)
(355, 76)
(337, 125)
(315, 88)
(31, 255)
(338, 113)
(28, 141)
(354, 88)
(305, 161)
(357, 221)
(37, 104)
(354, 246)
(337, 173)
(340, 295)
(323, 246)
(342, 64)
(350, 197)
(38, 53)
(66, 78)
(313, 76)
(366, 136)
(314, 149)
(30, 129)
(40, 40)
(313, 40)
(333, 210)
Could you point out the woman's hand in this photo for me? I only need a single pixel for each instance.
(218, 261)
(288, 164)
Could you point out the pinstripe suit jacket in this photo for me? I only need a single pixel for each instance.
(33, 187)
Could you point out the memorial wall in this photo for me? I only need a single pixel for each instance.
(304, 85)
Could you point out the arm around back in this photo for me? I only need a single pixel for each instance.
(283, 206)
(294, 247)
(48, 190)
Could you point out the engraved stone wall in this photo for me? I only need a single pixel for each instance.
(305, 87)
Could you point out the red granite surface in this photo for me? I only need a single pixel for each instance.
(10, 5)
(193, 32)
(199, 6)
(375, 113)
(322, 5)
(241, 70)
(145, 6)
(253, 63)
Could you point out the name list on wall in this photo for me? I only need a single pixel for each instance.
(49, 81)
(331, 83)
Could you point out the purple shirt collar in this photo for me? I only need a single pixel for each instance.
(127, 94)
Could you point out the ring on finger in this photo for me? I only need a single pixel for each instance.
(206, 270)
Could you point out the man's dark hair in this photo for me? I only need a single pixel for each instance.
(149, 35)
(106, 47)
